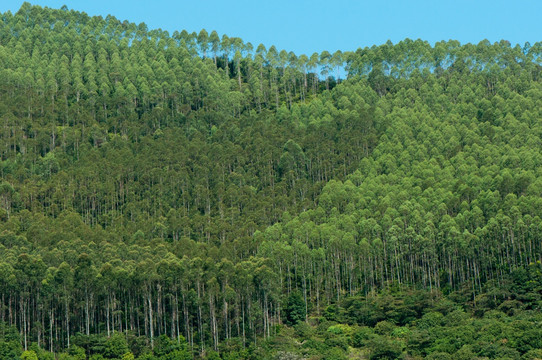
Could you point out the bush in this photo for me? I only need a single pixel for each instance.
(340, 329)
(128, 356)
(29, 355)
(295, 309)
(430, 320)
(401, 332)
(331, 313)
(384, 328)
(211, 355)
(284, 355)
(77, 353)
(313, 345)
(383, 348)
(42, 354)
(439, 356)
(532, 355)
(335, 354)
(465, 353)
(116, 346)
(456, 317)
(166, 348)
(303, 330)
(362, 336)
(337, 342)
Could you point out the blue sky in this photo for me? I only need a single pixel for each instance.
(312, 26)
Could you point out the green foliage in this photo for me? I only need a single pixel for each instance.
(439, 356)
(303, 330)
(77, 353)
(335, 354)
(211, 355)
(331, 312)
(430, 320)
(169, 349)
(128, 356)
(42, 354)
(384, 328)
(282, 355)
(157, 184)
(340, 329)
(362, 336)
(295, 308)
(116, 346)
(382, 348)
(29, 355)
(10, 345)
(533, 354)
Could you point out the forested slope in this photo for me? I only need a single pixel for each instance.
(188, 195)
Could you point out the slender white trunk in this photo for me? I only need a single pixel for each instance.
(151, 330)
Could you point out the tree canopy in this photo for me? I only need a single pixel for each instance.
(191, 195)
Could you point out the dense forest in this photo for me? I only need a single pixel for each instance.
(193, 196)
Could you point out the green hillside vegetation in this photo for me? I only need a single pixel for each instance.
(192, 196)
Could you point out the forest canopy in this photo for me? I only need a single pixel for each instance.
(189, 195)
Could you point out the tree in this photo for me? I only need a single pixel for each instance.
(295, 308)
(29, 355)
(116, 346)
(214, 40)
(147, 192)
(203, 42)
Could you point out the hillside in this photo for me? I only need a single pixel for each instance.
(179, 196)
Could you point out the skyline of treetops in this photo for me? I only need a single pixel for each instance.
(194, 196)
